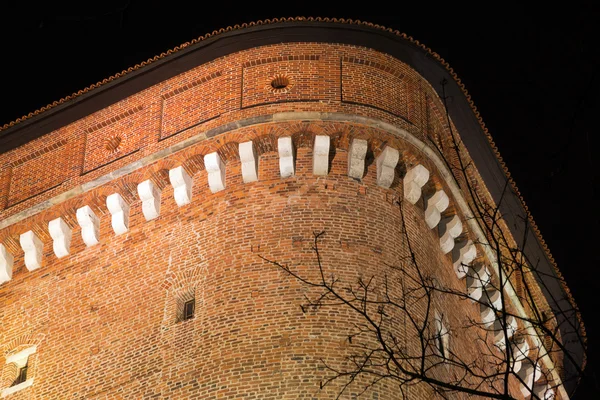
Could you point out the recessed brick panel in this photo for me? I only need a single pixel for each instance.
(114, 137)
(192, 103)
(387, 89)
(308, 79)
(39, 172)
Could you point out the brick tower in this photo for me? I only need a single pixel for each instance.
(136, 216)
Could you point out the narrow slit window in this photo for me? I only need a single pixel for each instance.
(188, 309)
(21, 376)
(442, 337)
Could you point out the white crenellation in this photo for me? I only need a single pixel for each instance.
(90, 226)
(543, 391)
(61, 237)
(414, 180)
(321, 155)
(356, 158)
(529, 373)
(150, 195)
(450, 229)
(182, 185)
(499, 335)
(492, 296)
(249, 161)
(520, 351)
(488, 315)
(285, 147)
(119, 211)
(478, 276)
(386, 164)
(216, 172)
(32, 247)
(463, 254)
(6, 264)
(436, 204)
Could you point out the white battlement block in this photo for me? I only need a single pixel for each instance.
(488, 315)
(61, 237)
(493, 297)
(249, 162)
(446, 243)
(90, 226)
(285, 146)
(543, 391)
(432, 217)
(512, 326)
(32, 246)
(216, 172)
(321, 155)
(356, 158)
(450, 228)
(150, 195)
(436, 204)
(520, 348)
(386, 164)
(463, 254)
(414, 180)
(182, 185)
(119, 211)
(520, 351)
(478, 277)
(499, 336)
(6, 264)
(529, 373)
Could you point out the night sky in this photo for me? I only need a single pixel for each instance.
(532, 73)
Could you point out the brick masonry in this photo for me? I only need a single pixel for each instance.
(105, 318)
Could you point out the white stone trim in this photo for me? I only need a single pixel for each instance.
(463, 254)
(321, 155)
(442, 336)
(119, 213)
(20, 358)
(6, 264)
(16, 388)
(488, 315)
(285, 147)
(61, 235)
(386, 164)
(182, 185)
(436, 205)
(216, 172)
(450, 229)
(33, 248)
(356, 158)
(249, 161)
(477, 277)
(90, 226)
(543, 391)
(414, 180)
(150, 195)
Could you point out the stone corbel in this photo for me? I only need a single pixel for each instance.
(61, 237)
(182, 185)
(216, 172)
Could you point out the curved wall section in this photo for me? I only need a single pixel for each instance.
(171, 194)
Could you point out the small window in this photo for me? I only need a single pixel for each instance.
(21, 376)
(188, 309)
(441, 337)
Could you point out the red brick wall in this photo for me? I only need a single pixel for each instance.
(104, 317)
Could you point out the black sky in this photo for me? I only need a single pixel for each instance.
(532, 72)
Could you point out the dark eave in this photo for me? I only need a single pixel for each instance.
(423, 60)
